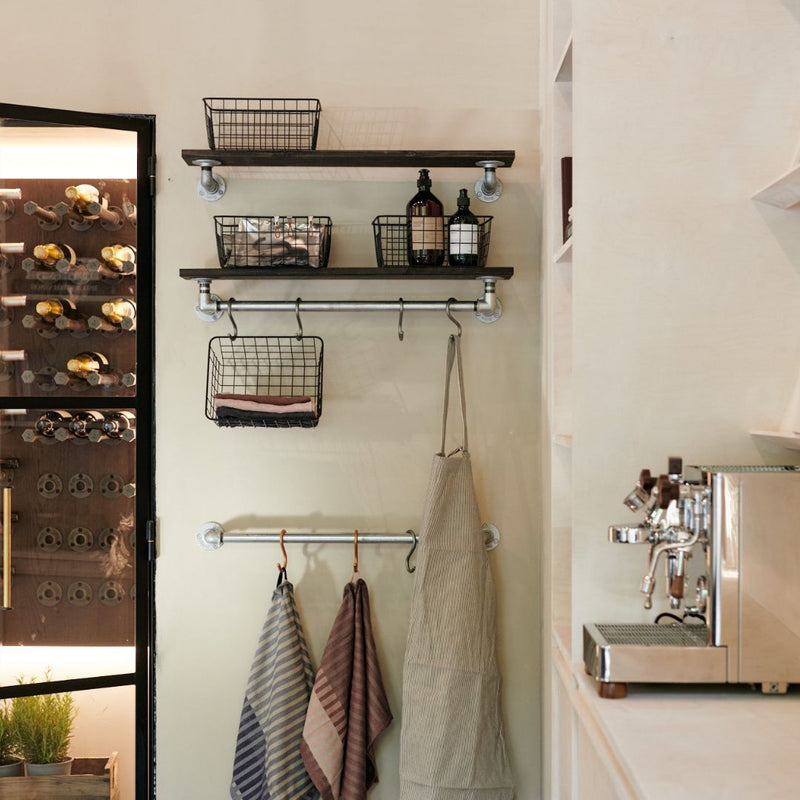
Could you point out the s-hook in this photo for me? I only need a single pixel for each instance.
(299, 334)
(282, 566)
(400, 331)
(233, 321)
(414, 540)
(451, 317)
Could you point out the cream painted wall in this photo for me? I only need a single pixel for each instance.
(686, 292)
(366, 465)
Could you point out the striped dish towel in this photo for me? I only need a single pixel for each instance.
(267, 764)
(348, 708)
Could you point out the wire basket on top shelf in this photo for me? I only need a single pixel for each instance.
(391, 242)
(264, 381)
(262, 123)
(273, 241)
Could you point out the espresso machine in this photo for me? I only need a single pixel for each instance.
(736, 528)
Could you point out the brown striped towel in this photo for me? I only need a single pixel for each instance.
(348, 708)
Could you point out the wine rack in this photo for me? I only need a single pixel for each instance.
(68, 421)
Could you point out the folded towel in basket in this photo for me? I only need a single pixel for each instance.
(228, 413)
(268, 408)
(276, 399)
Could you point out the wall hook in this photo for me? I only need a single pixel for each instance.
(489, 188)
(400, 332)
(210, 187)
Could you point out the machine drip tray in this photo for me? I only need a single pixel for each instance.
(620, 653)
(653, 635)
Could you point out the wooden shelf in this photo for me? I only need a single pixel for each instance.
(349, 273)
(784, 192)
(788, 439)
(564, 253)
(349, 158)
(564, 68)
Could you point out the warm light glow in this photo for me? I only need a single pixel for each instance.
(63, 662)
(66, 152)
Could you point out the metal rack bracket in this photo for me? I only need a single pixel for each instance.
(486, 308)
(210, 187)
(489, 188)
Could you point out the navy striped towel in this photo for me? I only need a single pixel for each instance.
(268, 764)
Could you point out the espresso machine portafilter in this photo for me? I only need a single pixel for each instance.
(741, 528)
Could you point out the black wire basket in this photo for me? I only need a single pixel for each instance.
(273, 241)
(264, 381)
(259, 123)
(391, 241)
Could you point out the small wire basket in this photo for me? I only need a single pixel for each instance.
(257, 123)
(264, 381)
(273, 241)
(391, 241)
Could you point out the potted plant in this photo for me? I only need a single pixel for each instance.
(10, 762)
(42, 727)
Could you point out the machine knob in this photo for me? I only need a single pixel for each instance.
(646, 480)
(701, 594)
(667, 491)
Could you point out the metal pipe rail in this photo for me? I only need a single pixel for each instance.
(211, 536)
(486, 308)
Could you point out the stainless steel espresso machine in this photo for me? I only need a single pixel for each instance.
(739, 527)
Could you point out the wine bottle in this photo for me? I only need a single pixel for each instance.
(120, 312)
(116, 425)
(128, 209)
(7, 198)
(53, 254)
(83, 423)
(464, 234)
(120, 257)
(90, 367)
(50, 425)
(81, 196)
(425, 225)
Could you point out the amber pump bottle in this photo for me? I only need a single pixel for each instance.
(425, 225)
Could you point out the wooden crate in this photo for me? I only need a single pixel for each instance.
(91, 779)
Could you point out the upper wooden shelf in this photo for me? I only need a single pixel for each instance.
(349, 158)
(368, 273)
(784, 192)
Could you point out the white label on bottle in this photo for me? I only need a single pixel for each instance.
(463, 240)
(427, 233)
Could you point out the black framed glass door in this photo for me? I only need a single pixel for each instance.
(76, 410)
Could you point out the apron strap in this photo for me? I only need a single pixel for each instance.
(454, 355)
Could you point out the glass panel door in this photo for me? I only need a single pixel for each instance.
(76, 400)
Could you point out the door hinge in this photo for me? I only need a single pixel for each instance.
(150, 539)
(151, 174)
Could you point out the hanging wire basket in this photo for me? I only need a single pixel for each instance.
(264, 381)
(259, 123)
(391, 240)
(273, 241)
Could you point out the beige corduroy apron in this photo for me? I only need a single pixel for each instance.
(451, 741)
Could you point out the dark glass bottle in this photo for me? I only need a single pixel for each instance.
(464, 231)
(425, 225)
